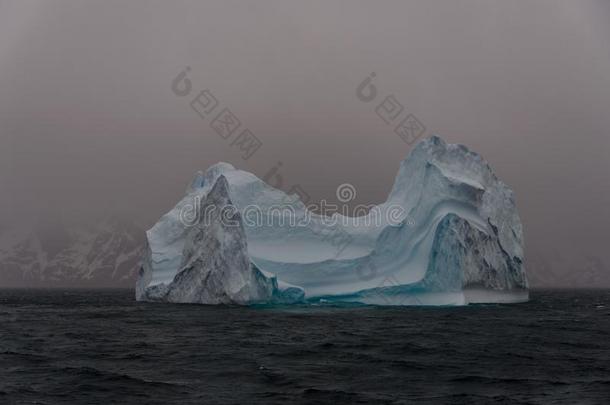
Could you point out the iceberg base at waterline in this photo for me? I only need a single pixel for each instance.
(448, 234)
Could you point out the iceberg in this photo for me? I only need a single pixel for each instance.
(448, 234)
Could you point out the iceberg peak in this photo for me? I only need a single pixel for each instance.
(463, 234)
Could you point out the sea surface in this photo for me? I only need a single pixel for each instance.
(101, 347)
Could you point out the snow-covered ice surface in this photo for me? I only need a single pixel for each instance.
(458, 239)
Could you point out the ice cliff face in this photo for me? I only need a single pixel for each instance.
(215, 266)
(456, 239)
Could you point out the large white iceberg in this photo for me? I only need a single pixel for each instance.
(449, 234)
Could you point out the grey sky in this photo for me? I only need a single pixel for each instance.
(88, 122)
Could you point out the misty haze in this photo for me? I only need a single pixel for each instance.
(464, 145)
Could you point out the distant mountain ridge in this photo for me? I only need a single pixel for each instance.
(48, 253)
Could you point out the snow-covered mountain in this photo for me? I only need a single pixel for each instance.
(48, 253)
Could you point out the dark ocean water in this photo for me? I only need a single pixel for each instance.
(100, 347)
